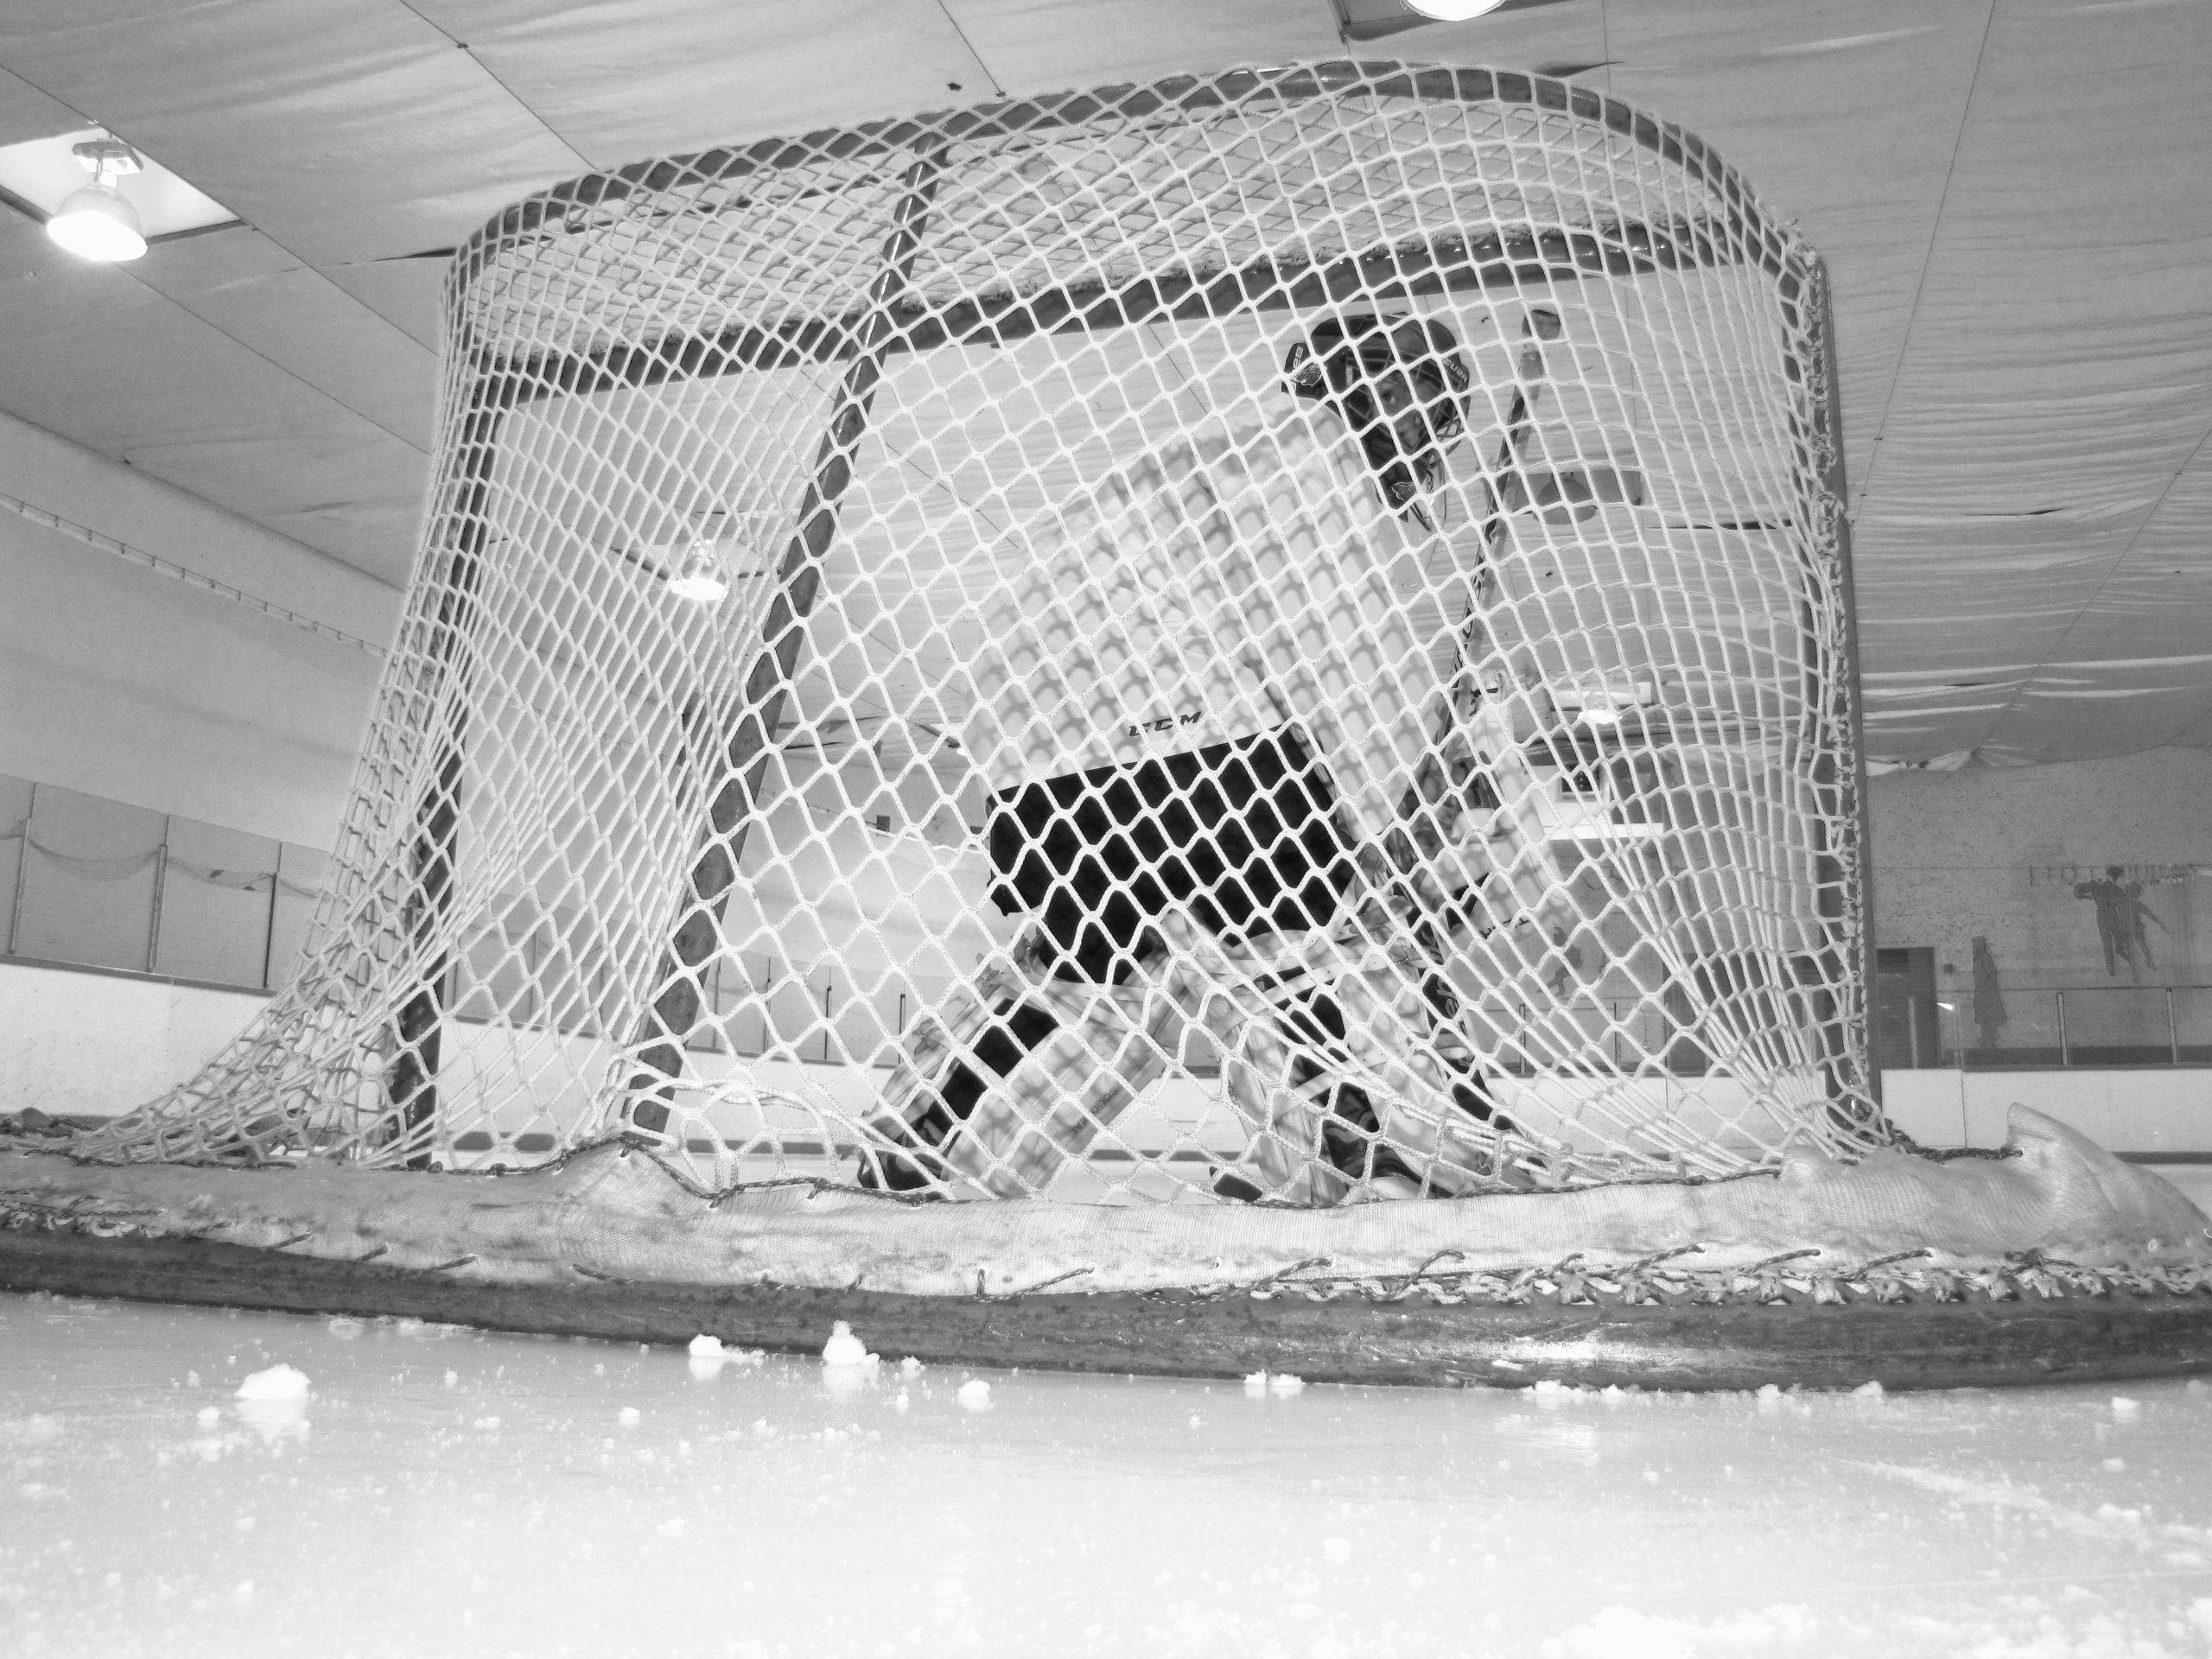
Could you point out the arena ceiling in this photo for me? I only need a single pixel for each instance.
(2012, 195)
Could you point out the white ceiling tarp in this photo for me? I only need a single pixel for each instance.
(2013, 200)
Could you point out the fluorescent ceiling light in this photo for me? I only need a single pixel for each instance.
(1453, 12)
(40, 176)
(1604, 703)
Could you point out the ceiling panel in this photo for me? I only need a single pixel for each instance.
(410, 293)
(103, 359)
(2056, 376)
(2143, 638)
(302, 322)
(1031, 48)
(343, 130)
(27, 113)
(626, 80)
(1843, 114)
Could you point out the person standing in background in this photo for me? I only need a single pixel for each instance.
(2120, 915)
(1989, 1016)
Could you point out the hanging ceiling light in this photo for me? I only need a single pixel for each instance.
(1604, 703)
(1453, 12)
(700, 577)
(96, 222)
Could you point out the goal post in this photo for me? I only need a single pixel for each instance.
(1280, 637)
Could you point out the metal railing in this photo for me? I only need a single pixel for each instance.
(2080, 1026)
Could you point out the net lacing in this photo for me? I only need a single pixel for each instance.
(1070, 775)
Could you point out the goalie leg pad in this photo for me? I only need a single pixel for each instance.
(1019, 1075)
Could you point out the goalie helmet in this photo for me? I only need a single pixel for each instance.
(1400, 386)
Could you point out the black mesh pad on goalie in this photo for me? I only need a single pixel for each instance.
(1241, 831)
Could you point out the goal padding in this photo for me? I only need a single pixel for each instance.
(1895, 1269)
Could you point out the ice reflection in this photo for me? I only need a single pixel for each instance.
(275, 1420)
(847, 1382)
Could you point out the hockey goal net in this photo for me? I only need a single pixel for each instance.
(1276, 636)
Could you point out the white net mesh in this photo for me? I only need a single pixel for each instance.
(1277, 636)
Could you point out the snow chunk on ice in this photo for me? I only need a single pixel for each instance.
(1257, 1383)
(1336, 1551)
(37, 1429)
(2124, 1408)
(346, 1328)
(1868, 1391)
(975, 1394)
(843, 1348)
(910, 1366)
(1284, 1382)
(628, 1417)
(706, 1356)
(277, 1382)
(208, 1417)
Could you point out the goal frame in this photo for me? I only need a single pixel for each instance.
(861, 340)
(419, 850)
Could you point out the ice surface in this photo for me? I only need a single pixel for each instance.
(143, 1511)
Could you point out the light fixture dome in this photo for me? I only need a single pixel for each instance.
(95, 223)
(1453, 12)
(700, 578)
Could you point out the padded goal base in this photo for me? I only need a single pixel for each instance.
(1351, 1339)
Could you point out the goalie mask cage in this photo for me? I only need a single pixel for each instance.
(939, 663)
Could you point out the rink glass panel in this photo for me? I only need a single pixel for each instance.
(936, 395)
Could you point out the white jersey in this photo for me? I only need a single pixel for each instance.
(1211, 590)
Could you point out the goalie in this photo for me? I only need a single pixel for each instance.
(1232, 795)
